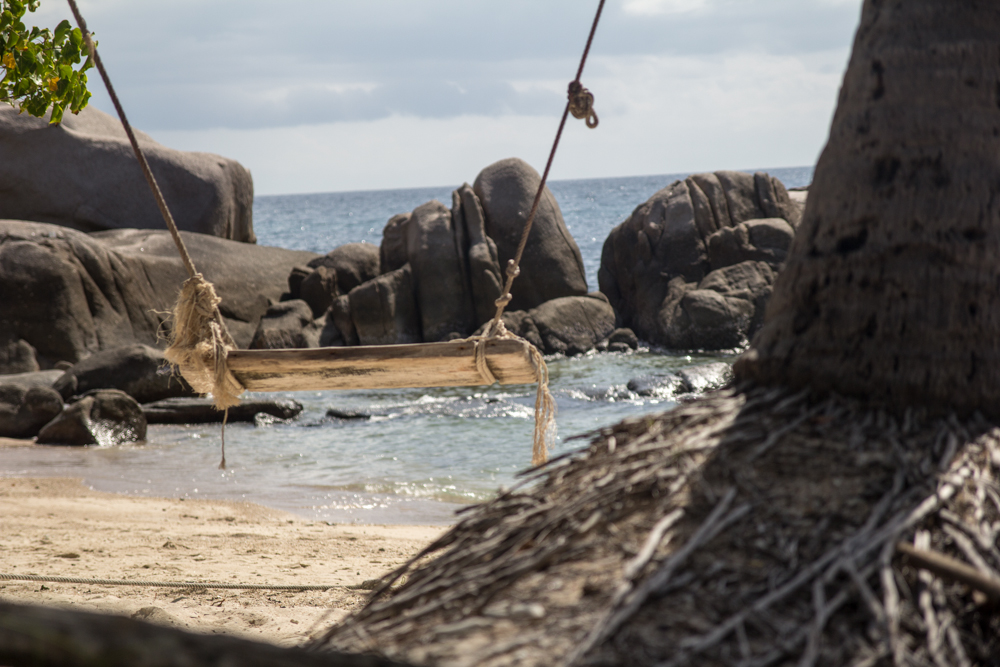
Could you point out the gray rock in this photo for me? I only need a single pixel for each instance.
(657, 267)
(485, 279)
(139, 370)
(699, 379)
(69, 295)
(202, 410)
(318, 289)
(353, 263)
(25, 410)
(384, 310)
(392, 252)
(36, 379)
(552, 266)
(16, 355)
(288, 324)
(334, 274)
(40, 166)
(623, 336)
(439, 273)
(339, 317)
(722, 311)
(348, 415)
(100, 417)
(573, 324)
(657, 385)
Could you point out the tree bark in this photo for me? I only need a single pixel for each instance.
(892, 286)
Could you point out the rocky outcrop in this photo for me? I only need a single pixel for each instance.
(441, 270)
(83, 174)
(139, 370)
(692, 267)
(100, 417)
(25, 410)
(67, 295)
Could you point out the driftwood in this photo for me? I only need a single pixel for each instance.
(383, 366)
(43, 637)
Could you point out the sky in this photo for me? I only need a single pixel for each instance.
(340, 95)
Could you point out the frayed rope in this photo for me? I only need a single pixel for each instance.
(200, 343)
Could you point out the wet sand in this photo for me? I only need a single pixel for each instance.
(59, 527)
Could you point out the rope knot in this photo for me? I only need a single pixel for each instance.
(581, 103)
(513, 270)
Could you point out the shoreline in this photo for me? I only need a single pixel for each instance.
(57, 526)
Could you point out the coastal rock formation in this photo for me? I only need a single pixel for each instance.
(692, 267)
(139, 370)
(68, 295)
(82, 174)
(99, 417)
(441, 270)
(25, 410)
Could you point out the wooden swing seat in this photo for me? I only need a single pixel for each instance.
(419, 365)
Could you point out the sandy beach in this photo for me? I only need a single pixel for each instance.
(59, 527)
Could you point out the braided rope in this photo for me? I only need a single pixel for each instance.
(201, 351)
(167, 584)
(580, 101)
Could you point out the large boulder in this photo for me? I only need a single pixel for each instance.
(439, 273)
(67, 295)
(384, 310)
(139, 370)
(552, 266)
(692, 267)
(100, 417)
(288, 324)
(82, 173)
(25, 410)
(569, 325)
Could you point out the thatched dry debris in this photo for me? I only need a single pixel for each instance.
(755, 526)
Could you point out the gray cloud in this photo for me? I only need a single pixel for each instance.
(189, 64)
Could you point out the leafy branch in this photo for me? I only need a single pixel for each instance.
(38, 64)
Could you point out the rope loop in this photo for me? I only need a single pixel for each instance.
(581, 103)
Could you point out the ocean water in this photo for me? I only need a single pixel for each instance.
(421, 454)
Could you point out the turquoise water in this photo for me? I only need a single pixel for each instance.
(422, 453)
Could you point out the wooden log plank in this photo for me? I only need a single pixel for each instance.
(381, 366)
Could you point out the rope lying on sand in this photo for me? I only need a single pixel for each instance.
(171, 584)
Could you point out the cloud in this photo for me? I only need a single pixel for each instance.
(242, 64)
(737, 111)
(653, 7)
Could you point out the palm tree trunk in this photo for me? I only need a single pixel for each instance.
(892, 286)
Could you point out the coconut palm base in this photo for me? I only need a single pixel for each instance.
(755, 526)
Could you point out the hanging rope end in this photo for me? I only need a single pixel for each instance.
(200, 343)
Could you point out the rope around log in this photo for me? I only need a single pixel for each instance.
(545, 406)
(200, 340)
